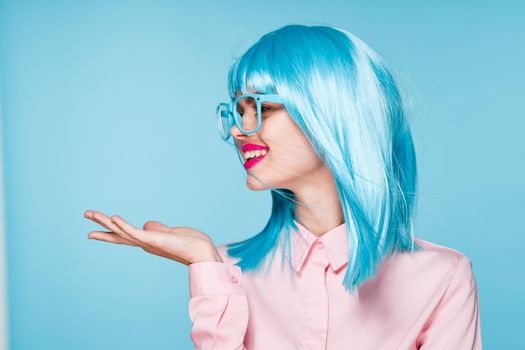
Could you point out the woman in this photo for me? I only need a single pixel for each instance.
(317, 118)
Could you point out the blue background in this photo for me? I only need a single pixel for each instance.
(109, 105)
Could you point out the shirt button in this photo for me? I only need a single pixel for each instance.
(234, 279)
(320, 244)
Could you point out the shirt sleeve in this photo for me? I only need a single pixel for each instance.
(455, 323)
(218, 306)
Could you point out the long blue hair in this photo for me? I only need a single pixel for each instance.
(349, 106)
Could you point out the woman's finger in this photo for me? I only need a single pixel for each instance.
(101, 219)
(95, 219)
(156, 226)
(105, 221)
(135, 233)
(109, 237)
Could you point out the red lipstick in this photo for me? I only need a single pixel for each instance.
(253, 147)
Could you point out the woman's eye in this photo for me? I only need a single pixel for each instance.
(265, 108)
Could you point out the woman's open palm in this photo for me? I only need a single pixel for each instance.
(183, 244)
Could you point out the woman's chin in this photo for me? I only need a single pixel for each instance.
(254, 184)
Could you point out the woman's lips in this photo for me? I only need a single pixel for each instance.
(251, 162)
(253, 147)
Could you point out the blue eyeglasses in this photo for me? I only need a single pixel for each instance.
(229, 114)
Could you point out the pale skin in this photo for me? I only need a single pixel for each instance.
(291, 163)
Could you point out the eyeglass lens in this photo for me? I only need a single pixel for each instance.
(246, 109)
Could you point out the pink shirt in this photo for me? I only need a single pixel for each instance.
(423, 301)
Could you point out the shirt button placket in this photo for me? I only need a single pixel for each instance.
(316, 327)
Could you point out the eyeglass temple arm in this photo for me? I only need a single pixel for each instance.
(272, 98)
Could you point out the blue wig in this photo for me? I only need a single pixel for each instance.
(349, 106)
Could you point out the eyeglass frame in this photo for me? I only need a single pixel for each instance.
(232, 111)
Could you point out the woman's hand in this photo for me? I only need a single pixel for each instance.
(183, 244)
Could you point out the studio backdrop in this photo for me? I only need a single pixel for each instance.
(110, 106)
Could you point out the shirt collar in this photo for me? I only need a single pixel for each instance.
(335, 243)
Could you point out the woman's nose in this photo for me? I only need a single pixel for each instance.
(249, 122)
(237, 136)
(237, 133)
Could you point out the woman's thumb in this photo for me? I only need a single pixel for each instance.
(156, 226)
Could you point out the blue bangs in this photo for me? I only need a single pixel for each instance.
(285, 55)
(252, 73)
